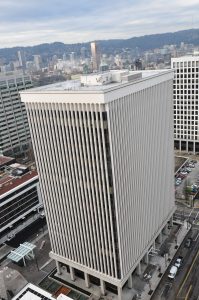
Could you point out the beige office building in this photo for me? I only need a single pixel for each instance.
(95, 56)
(104, 151)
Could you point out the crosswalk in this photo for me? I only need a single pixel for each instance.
(189, 214)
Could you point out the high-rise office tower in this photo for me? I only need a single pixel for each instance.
(64, 57)
(22, 59)
(14, 129)
(72, 58)
(104, 151)
(185, 97)
(95, 55)
(38, 62)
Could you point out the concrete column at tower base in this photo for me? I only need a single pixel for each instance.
(146, 258)
(58, 267)
(171, 221)
(72, 273)
(102, 287)
(87, 280)
(130, 282)
(119, 291)
(138, 269)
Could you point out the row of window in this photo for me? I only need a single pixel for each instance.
(13, 194)
(185, 92)
(187, 70)
(184, 86)
(186, 112)
(182, 64)
(185, 81)
(185, 137)
(180, 106)
(184, 131)
(185, 97)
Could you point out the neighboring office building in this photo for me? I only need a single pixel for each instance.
(185, 97)
(19, 197)
(95, 56)
(14, 129)
(106, 144)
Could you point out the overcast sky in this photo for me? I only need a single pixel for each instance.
(32, 22)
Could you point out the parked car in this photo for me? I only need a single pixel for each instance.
(188, 243)
(177, 183)
(193, 161)
(179, 261)
(191, 165)
(188, 169)
(173, 271)
(183, 172)
(182, 176)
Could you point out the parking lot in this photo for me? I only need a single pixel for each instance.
(187, 182)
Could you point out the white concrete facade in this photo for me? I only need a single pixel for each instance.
(105, 161)
(185, 98)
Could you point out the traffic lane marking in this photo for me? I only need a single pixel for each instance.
(190, 269)
(189, 290)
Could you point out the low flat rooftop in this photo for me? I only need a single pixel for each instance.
(32, 292)
(76, 85)
(4, 160)
(9, 182)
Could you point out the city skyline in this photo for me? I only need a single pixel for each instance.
(34, 23)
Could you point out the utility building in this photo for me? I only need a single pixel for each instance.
(104, 151)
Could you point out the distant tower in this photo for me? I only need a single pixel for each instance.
(38, 62)
(72, 57)
(22, 59)
(64, 57)
(95, 56)
(83, 53)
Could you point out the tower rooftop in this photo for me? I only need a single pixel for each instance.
(99, 82)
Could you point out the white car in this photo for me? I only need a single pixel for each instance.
(173, 271)
(179, 179)
(183, 173)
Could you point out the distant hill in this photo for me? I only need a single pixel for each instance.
(146, 42)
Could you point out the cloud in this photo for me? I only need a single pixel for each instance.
(32, 22)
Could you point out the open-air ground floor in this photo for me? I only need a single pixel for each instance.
(143, 280)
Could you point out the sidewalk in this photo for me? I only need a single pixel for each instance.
(4, 251)
(163, 263)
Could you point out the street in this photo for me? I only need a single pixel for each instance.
(186, 283)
